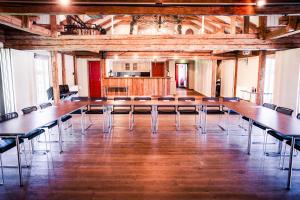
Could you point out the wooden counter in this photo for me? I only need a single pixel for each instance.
(139, 86)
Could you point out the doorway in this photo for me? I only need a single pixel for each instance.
(94, 79)
(181, 75)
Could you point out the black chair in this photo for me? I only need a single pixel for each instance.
(31, 135)
(278, 136)
(231, 99)
(5, 145)
(168, 109)
(140, 109)
(50, 125)
(122, 109)
(212, 109)
(96, 109)
(186, 109)
(77, 99)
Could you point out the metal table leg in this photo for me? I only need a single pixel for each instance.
(289, 182)
(205, 119)
(199, 120)
(154, 116)
(59, 123)
(19, 161)
(249, 136)
(81, 121)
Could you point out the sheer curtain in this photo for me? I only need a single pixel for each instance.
(7, 80)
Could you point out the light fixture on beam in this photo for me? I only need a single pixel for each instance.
(64, 2)
(261, 3)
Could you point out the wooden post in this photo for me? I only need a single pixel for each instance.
(233, 25)
(26, 23)
(214, 77)
(75, 70)
(53, 26)
(55, 83)
(63, 69)
(262, 27)
(246, 26)
(236, 68)
(261, 77)
(103, 75)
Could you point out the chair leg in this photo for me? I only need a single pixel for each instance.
(2, 173)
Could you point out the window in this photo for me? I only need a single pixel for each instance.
(269, 80)
(42, 77)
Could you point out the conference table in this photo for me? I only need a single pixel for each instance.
(19, 127)
(286, 125)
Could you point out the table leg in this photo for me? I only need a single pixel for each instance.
(81, 120)
(154, 116)
(289, 183)
(205, 119)
(60, 135)
(199, 120)
(249, 136)
(19, 161)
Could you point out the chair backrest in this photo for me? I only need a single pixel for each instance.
(166, 99)
(98, 98)
(186, 99)
(231, 99)
(29, 110)
(211, 99)
(298, 116)
(142, 98)
(284, 110)
(122, 99)
(45, 105)
(66, 88)
(8, 116)
(50, 93)
(79, 99)
(269, 105)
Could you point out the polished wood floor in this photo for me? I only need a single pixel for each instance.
(139, 165)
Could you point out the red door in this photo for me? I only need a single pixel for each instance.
(158, 69)
(95, 78)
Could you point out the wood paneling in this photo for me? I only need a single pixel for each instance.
(139, 86)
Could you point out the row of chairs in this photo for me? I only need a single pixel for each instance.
(9, 143)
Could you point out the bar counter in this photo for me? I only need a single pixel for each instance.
(139, 86)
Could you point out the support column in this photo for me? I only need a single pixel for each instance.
(103, 75)
(261, 77)
(233, 25)
(53, 26)
(55, 84)
(75, 70)
(63, 69)
(236, 68)
(246, 26)
(262, 27)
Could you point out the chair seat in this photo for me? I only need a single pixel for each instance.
(188, 112)
(7, 144)
(231, 112)
(50, 125)
(66, 118)
(215, 112)
(120, 111)
(259, 126)
(141, 112)
(297, 144)
(277, 135)
(33, 134)
(78, 112)
(167, 112)
(94, 111)
(245, 118)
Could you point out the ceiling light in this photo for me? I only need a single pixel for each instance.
(116, 57)
(260, 3)
(64, 2)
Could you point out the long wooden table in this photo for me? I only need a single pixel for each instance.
(286, 125)
(19, 127)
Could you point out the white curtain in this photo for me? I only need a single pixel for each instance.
(7, 80)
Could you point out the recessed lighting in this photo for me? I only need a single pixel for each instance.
(64, 2)
(260, 3)
(116, 57)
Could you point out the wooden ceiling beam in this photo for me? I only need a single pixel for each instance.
(292, 28)
(186, 43)
(24, 24)
(77, 9)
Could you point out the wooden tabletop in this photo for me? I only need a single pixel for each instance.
(37, 119)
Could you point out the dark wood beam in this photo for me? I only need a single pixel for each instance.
(236, 68)
(246, 25)
(55, 77)
(292, 28)
(77, 9)
(261, 77)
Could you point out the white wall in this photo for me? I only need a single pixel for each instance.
(24, 79)
(69, 65)
(83, 82)
(247, 75)
(227, 78)
(286, 86)
(203, 77)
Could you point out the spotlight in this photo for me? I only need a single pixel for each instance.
(64, 2)
(260, 3)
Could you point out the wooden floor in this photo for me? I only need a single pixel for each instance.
(139, 165)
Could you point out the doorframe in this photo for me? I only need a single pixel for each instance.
(187, 75)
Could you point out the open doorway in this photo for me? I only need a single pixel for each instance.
(181, 75)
